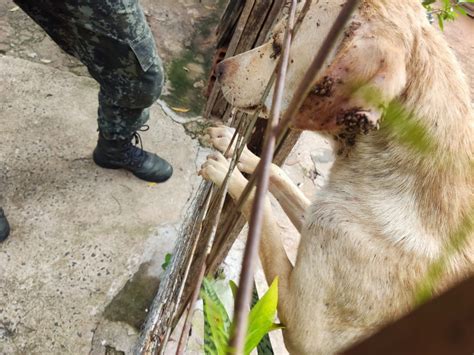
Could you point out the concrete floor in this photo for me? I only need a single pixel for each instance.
(78, 232)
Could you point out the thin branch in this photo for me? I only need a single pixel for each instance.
(183, 340)
(219, 200)
(186, 272)
(251, 248)
(237, 340)
(152, 340)
(234, 215)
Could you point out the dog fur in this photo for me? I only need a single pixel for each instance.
(388, 210)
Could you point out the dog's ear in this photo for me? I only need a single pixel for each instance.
(366, 74)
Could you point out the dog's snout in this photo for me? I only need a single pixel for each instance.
(220, 71)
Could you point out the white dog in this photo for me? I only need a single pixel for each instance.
(388, 209)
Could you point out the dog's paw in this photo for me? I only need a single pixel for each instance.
(220, 138)
(215, 169)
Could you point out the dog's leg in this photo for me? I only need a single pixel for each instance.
(288, 195)
(272, 253)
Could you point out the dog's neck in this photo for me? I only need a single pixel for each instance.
(435, 186)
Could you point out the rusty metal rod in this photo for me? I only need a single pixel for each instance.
(316, 66)
(242, 301)
(251, 249)
(221, 194)
(232, 217)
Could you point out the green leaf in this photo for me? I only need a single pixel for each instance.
(401, 123)
(407, 130)
(167, 262)
(216, 321)
(460, 10)
(233, 288)
(457, 241)
(428, 2)
(440, 22)
(261, 318)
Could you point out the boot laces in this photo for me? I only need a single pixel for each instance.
(135, 147)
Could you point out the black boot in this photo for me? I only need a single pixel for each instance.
(4, 226)
(124, 154)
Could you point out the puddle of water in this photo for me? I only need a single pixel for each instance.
(112, 351)
(134, 299)
(131, 303)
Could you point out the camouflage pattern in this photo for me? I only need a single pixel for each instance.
(114, 41)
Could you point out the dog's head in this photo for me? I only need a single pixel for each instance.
(371, 53)
(243, 78)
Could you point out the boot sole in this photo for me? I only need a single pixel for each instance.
(107, 165)
(158, 181)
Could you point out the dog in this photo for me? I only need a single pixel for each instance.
(389, 208)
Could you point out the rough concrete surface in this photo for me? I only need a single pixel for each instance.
(78, 232)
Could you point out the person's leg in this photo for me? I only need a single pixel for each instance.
(115, 43)
(4, 226)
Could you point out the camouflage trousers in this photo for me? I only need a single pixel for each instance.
(114, 41)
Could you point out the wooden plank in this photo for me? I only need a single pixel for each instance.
(226, 28)
(257, 17)
(253, 25)
(272, 16)
(443, 326)
(162, 311)
(239, 28)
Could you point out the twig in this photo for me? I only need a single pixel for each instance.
(183, 340)
(218, 203)
(251, 249)
(244, 292)
(234, 215)
(152, 338)
(186, 273)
